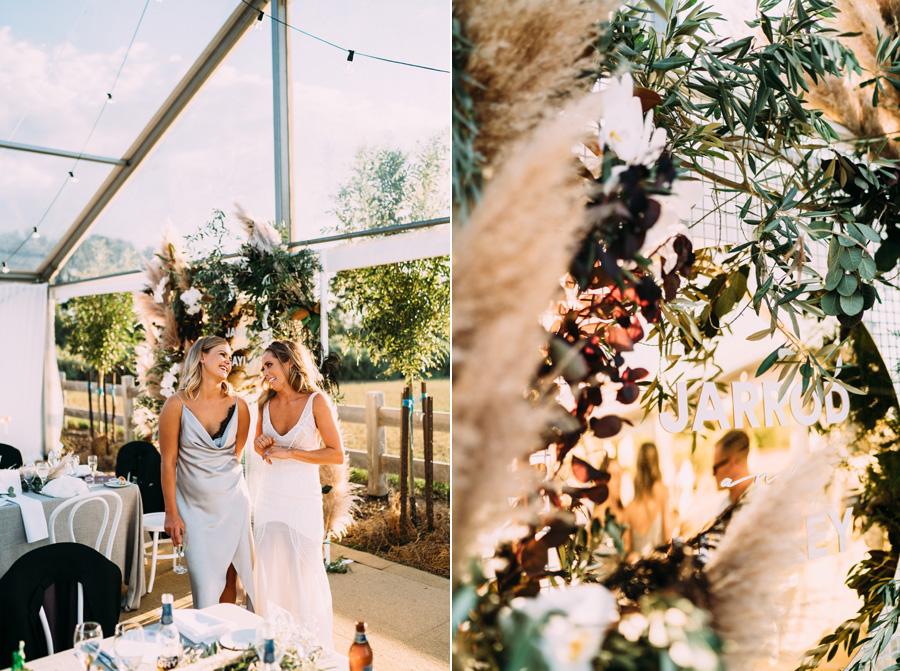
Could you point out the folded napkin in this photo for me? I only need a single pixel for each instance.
(82, 471)
(200, 627)
(9, 477)
(33, 518)
(65, 487)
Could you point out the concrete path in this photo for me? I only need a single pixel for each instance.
(407, 610)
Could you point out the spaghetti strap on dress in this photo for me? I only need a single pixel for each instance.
(214, 503)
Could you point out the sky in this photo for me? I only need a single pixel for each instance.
(60, 57)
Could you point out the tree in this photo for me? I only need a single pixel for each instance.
(403, 309)
(102, 331)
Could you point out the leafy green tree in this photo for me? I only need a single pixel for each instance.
(402, 309)
(101, 330)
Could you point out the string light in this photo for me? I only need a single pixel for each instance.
(350, 60)
(70, 175)
(259, 19)
(350, 52)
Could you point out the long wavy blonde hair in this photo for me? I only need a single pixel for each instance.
(192, 368)
(648, 472)
(303, 375)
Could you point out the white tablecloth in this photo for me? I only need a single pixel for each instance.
(240, 618)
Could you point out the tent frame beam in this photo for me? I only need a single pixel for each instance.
(281, 118)
(241, 19)
(63, 153)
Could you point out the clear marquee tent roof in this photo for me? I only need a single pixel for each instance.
(123, 118)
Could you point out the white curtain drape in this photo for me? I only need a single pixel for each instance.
(53, 392)
(23, 339)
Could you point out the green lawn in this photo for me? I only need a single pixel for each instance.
(352, 393)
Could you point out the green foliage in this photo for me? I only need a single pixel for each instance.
(738, 117)
(403, 309)
(360, 476)
(101, 329)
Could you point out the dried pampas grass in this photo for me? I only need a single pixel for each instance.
(338, 504)
(507, 264)
(758, 564)
(842, 101)
(527, 58)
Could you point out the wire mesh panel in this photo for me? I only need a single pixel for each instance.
(714, 222)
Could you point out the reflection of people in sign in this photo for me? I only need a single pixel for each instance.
(648, 516)
(731, 471)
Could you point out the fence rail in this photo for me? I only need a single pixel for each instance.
(374, 415)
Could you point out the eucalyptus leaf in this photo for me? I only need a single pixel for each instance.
(848, 285)
(852, 305)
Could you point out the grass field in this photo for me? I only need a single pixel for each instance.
(352, 393)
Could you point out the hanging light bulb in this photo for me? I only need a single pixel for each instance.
(72, 177)
(109, 99)
(350, 55)
(5, 268)
(34, 233)
(259, 18)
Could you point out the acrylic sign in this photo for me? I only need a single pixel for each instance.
(752, 400)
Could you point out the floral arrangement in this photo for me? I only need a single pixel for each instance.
(262, 293)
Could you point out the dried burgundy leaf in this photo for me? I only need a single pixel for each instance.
(606, 426)
(628, 393)
(618, 339)
(635, 374)
(584, 472)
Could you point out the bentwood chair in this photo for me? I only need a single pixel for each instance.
(51, 589)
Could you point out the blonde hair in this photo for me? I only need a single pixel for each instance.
(648, 473)
(192, 369)
(303, 374)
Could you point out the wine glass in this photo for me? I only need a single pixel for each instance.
(42, 468)
(92, 464)
(129, 645)
(53, 458)
(178, 567)
(87, 642)
(72, 463)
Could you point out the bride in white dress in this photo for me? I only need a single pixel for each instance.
(295, 433)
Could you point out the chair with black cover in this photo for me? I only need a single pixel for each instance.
(10, 457)
(41, 605)
(141, 461)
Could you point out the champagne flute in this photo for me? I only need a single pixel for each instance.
(42, 468)
(178, 567)
(92, 464)
(87, 642)
(129, 646)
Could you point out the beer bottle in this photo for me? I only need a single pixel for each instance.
(360, 655)
(18, 658)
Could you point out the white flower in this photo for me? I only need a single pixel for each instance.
(160, 289)
(586, 605)
(569, 648)
(169, 380)
(625, 130)
(191, 299)
(143, 419)
(633, 626)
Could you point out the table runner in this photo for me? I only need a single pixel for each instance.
(128, 547)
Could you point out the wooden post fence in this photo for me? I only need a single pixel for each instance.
(374, 415)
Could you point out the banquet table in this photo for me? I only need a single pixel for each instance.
(235, 615)
(128, 546)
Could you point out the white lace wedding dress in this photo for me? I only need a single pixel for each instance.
(289, 530)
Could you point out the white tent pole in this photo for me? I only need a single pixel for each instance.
(324, 305)
(281, 103)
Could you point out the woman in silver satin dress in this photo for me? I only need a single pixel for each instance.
(202, 431)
